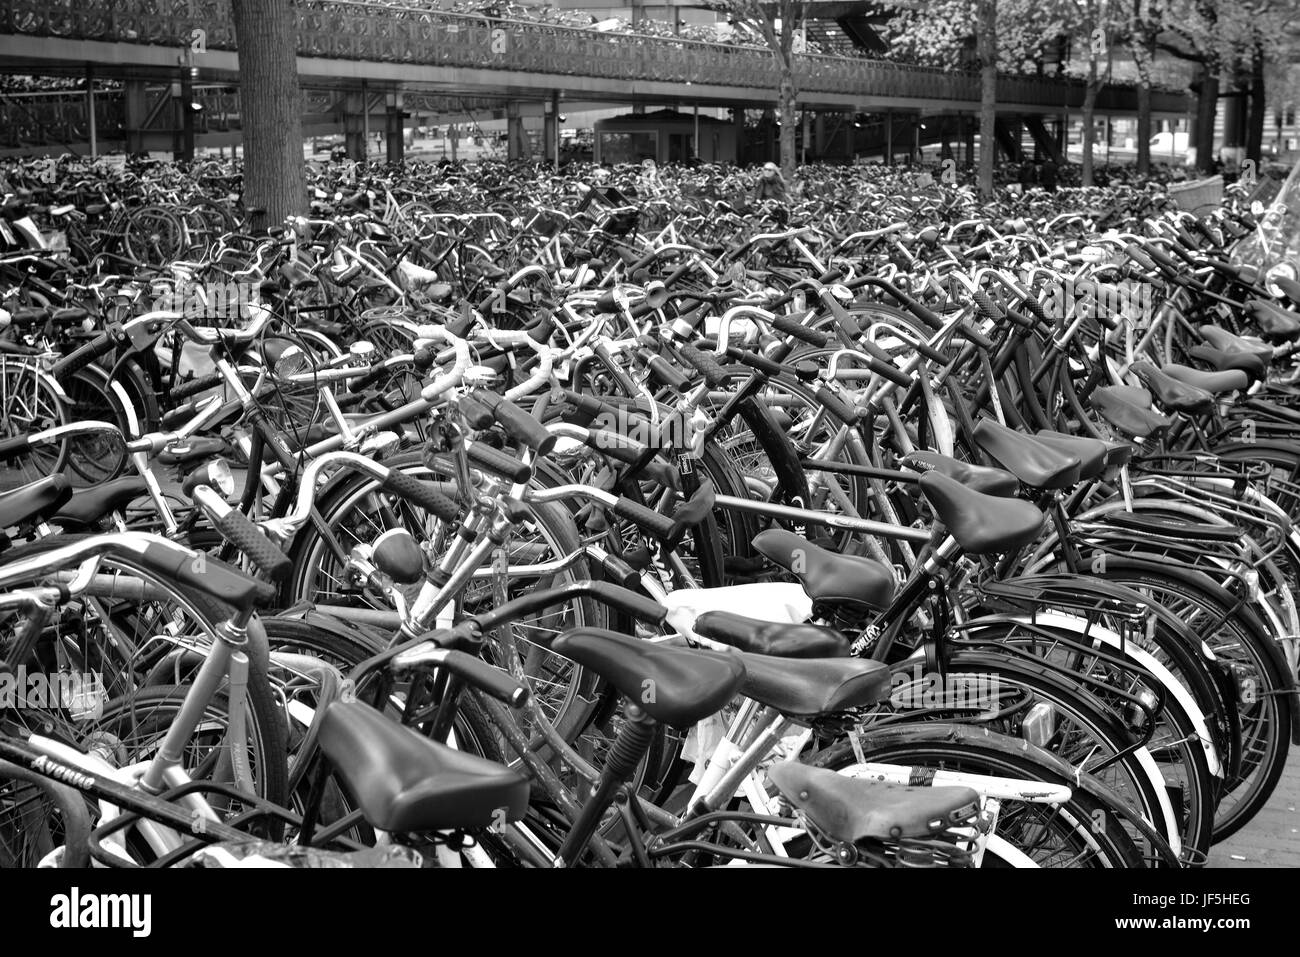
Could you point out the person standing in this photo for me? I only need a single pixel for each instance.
(1047, 179)
(770, 186)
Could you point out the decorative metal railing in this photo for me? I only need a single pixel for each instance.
(384, 32)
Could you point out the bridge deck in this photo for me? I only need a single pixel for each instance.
(341, 42)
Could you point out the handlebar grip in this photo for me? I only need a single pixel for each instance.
(834, 274)
(476, 415)
(486, 678)
(13, 447)
(543, 329)
(494, 460)
(837, 406)
(620, 447)
(920, 310)
(194, 386)
(631, 603)
(793, 327)
(849, 327)
(705, 364)
(1202, 227)
(647, 519)
(643, 262)
(587, 407)
(261, 551)
(1139, 256)
(682, 270)
(1020, 319)
(755, 361)
(83, 356)
(179, 415)
(350, 400)
(367, 379)
(423, 494)
(518, 424)
(975, 336)
(1161, 257)
(666, 373)
(889, 371)
(987, 307)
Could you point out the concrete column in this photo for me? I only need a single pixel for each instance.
(516, 139)
(394, 135)
(185, 139)
(889, 137)
(848, 137)
(551, 131)
(819, 136)
(354, 125)
(738, 120)
(136, 103)
(90, 110)
(969, 123)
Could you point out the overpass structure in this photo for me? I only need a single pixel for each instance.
(367, 65)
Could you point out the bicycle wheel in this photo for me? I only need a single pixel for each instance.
(1084, 733)
(1085, 832)
(154, 235)
(99, 457)
(1265, 704)
(38, 817)
(357, 511)
(129, 633)
(30, 401)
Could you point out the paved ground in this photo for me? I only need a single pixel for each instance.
(1272, 839)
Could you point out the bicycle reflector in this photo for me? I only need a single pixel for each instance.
(1039, 724)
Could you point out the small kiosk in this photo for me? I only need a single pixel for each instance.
(664, 136)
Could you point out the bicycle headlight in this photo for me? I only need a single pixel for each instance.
(1279, 271)
(215, 474)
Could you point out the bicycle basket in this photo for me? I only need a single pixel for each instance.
(1198, 195)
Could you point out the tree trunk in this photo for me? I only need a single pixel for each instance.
(1207, 105)
(1142, 60)
(1258, 108)
(786, 99)
(987, 49)
(1144, 127)
(270, 108)
(1089, 130)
